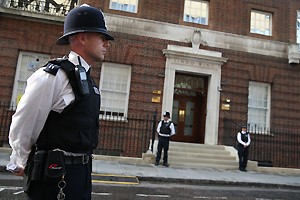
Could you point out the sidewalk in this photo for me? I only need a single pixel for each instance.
(266, 177)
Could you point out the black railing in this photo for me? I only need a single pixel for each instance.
(270, 147)
(126, 136)
(59, 8)
(6, 112)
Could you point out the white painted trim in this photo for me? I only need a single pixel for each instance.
(200, 62)
(181, 33)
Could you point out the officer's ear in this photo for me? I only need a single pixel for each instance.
(83, 38)
(78, 38)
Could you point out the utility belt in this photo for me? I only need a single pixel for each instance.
(75, 160)
(50, 165)
(164, 135)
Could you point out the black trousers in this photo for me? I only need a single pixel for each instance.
(78, 185)
(243, 153)
(163, 143)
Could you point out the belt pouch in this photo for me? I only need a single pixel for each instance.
(55, 165)
(38, 165)
(28, 171)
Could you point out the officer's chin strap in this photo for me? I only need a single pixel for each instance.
(61, 185)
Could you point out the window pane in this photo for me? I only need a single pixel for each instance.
(258, 105)
(114, 86)
(298, 27)
(189, 118)
(260, 23)
(196, 12)
(124, 5)
(175, 111)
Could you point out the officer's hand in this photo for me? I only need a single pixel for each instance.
(19, 172)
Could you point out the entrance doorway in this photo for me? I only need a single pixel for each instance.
(189, 107)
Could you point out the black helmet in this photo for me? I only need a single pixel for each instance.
(166, 114)
(83, 19)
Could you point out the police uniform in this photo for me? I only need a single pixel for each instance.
(243, 139)
(53, 114)
(165, 130)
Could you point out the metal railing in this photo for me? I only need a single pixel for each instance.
(52, 7)
(270, 147)
(127, 136)
(6, 112)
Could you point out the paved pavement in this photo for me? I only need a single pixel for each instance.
(266, 177)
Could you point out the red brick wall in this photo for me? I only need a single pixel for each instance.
(23, 35)
(147, 60)
(283, 78)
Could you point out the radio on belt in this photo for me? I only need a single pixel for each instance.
(81, 78)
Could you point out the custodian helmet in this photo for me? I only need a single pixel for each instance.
(166, 114)
(83, 19)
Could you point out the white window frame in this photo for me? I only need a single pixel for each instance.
(109, 81)
(196, 11)
(298, 28)
(28, 63)
(259, 105)
(124, 5)
(261, 23)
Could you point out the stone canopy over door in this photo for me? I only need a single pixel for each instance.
(196, 105)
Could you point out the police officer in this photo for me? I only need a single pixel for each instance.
(243, 138)
(165, 130)
(57, 117)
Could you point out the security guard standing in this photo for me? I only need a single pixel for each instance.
(243, 138)
(55, 127)
(165, 130)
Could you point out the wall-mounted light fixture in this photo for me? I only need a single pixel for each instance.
(225, 104)
(155, 99)
(156, 92)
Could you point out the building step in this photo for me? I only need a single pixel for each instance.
(199, 150)
(221, 156)
(195, 145)
(201, 160)
(201, 155)
(204, 165)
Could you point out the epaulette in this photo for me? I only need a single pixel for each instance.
(51, 68)
(53, 65)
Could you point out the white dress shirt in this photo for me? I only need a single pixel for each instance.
(44, 93)
(171, 127)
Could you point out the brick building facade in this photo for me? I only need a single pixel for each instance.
(202, 71)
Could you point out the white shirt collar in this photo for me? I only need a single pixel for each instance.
(73, 58)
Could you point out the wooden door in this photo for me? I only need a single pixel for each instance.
(186, 118)
(189, 113)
